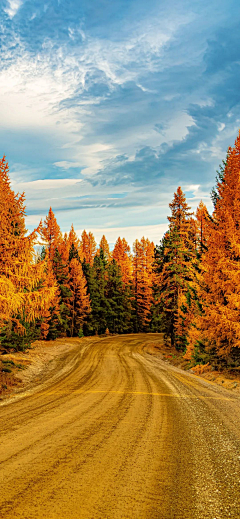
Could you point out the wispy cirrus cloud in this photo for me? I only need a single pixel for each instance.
(128, 97)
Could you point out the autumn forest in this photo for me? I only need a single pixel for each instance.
(188, 287)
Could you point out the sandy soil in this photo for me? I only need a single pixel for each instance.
(29, 368)
(227, 378)
(110, 431)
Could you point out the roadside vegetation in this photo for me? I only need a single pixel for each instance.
(187, 287)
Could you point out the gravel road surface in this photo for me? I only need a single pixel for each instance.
(111, 431)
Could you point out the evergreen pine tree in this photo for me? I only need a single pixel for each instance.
(96, 282)
(119, 299)
(176, 264)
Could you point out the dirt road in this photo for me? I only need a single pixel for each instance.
(114, 432)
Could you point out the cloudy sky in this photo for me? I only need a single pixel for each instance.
(107, 106)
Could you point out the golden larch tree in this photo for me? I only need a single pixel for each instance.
(50, 317)
(219, 325)
(143, 276)
(80, 301)
(51, 234)
(104, 246)
(73, 245)
(88, 247)
(24, 291)
(122, 255)
(202, 219)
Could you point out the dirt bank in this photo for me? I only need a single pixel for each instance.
(24, 369)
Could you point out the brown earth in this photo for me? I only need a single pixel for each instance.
(20, 368)
(108, 430)
(229, 378)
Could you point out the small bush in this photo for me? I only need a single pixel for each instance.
(200, 355)
(199, 369)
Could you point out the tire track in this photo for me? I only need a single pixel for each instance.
(101, 439)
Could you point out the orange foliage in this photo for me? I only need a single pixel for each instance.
(73, 242)
(220, 283)
(143, 256)
(79, 302)
(24, 294)
(179, 219)
(63, 248)
(53, 310)
(122, 255)
(88, 247)
(51, 234)
(103, 245)
(202, 218)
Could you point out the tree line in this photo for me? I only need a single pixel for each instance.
(72, 287)
(187, 287)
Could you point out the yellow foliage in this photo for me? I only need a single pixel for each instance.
(24, 294)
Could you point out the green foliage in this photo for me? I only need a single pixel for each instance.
(99, 302)
(10, 339)
(80, 333)
(110, 299)
(73, 253)
(200, 355)
(59, 325)
(43, 253)
(119, 298)
(170, 271)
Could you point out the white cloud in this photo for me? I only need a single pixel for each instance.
(65, 164)
(13, 6)
(49, 93)
(153, 232)
(34, 86)
(221, 127)
(192, 187)
(48, 183)
(33, 221)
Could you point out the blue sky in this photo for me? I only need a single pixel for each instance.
(106, 107)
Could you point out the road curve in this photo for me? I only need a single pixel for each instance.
(117, 433)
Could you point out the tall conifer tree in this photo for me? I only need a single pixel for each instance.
(104, 246)
(88, 247)
(122, 255)
(143, 279)
(219, 325)
(57, 249)
(175, 268)
(79, 302)
(24, 292)
(51, 234)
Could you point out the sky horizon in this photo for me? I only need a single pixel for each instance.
(107, 107)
